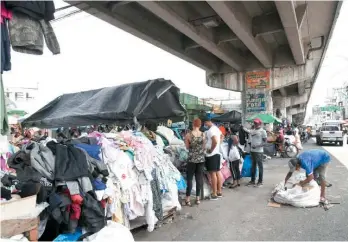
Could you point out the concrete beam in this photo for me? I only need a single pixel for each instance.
(237, 18)
(301, 87)
(283, 91)
(220, 36)
(266, 24)
(224, 34)
(287, 13)
(201, 36)
(131, 19)
(296, 100)
(294, 111)
(300, 14)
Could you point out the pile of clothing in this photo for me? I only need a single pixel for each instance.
(174, 147)
(92, 179)
(25, 25)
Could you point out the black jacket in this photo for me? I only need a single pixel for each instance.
(70, 162)
(36, 9)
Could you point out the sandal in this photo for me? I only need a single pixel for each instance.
(198, 202)
(188, 203)
(233, 186)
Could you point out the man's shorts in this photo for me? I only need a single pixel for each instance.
(320, 172)
(212, 163)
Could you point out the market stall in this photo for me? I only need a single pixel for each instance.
(154, 100)
(125, 177)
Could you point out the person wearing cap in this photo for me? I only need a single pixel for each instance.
(315, 163)
(258, 138)
(213, 158)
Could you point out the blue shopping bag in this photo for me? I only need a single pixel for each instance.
(246, 169)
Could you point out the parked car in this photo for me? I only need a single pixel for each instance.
(330, 134)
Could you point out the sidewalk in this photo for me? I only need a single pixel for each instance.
(242, 214)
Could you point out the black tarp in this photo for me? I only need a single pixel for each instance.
(230, 117)
(153, 100)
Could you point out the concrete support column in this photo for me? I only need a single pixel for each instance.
(281, 104)
(257, 96)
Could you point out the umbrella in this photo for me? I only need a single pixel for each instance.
(265, 118)
(16, 112)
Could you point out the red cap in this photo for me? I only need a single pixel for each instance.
(257, 121)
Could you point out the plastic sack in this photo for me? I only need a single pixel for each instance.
(181, 184)
(297, 196)
(171, 198)
(246, 169)
(225, 171)
(70, 237)
(112, 231)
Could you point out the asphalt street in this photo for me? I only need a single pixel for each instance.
(243, 214)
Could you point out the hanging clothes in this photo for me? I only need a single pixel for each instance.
(5, 40)
(4, 126)
(37, 10)
(27, 35)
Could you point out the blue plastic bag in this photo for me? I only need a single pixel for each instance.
(246, 169)
(70, 237)
(181, 184)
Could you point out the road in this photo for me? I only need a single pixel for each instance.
(340, 153)
(243, 214)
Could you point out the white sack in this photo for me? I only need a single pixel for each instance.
(112, 232)
(297, 196)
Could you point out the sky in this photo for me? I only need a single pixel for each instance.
(95, 54)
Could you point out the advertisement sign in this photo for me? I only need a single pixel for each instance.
(255, 102)
(330, 108)
(257, 79)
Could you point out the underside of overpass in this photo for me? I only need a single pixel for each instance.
(230, 39)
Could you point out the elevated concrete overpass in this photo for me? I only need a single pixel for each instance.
(286, 39)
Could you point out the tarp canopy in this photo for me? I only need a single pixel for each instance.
(153, 100)
(230, 117)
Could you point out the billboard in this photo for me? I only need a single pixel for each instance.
(257, 79)
(255, 102)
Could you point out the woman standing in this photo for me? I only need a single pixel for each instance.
(194, 142)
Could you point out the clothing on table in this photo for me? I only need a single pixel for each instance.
(156, 195)
(27, 35)
(235, 171)
(70, 162)
(256, 160)
(213, 163)
(194, 169)
(213, 131)
(196, 151)
(312, 159)
(257, 136)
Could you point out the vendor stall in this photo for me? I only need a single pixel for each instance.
(124, 177)
(154, 100)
